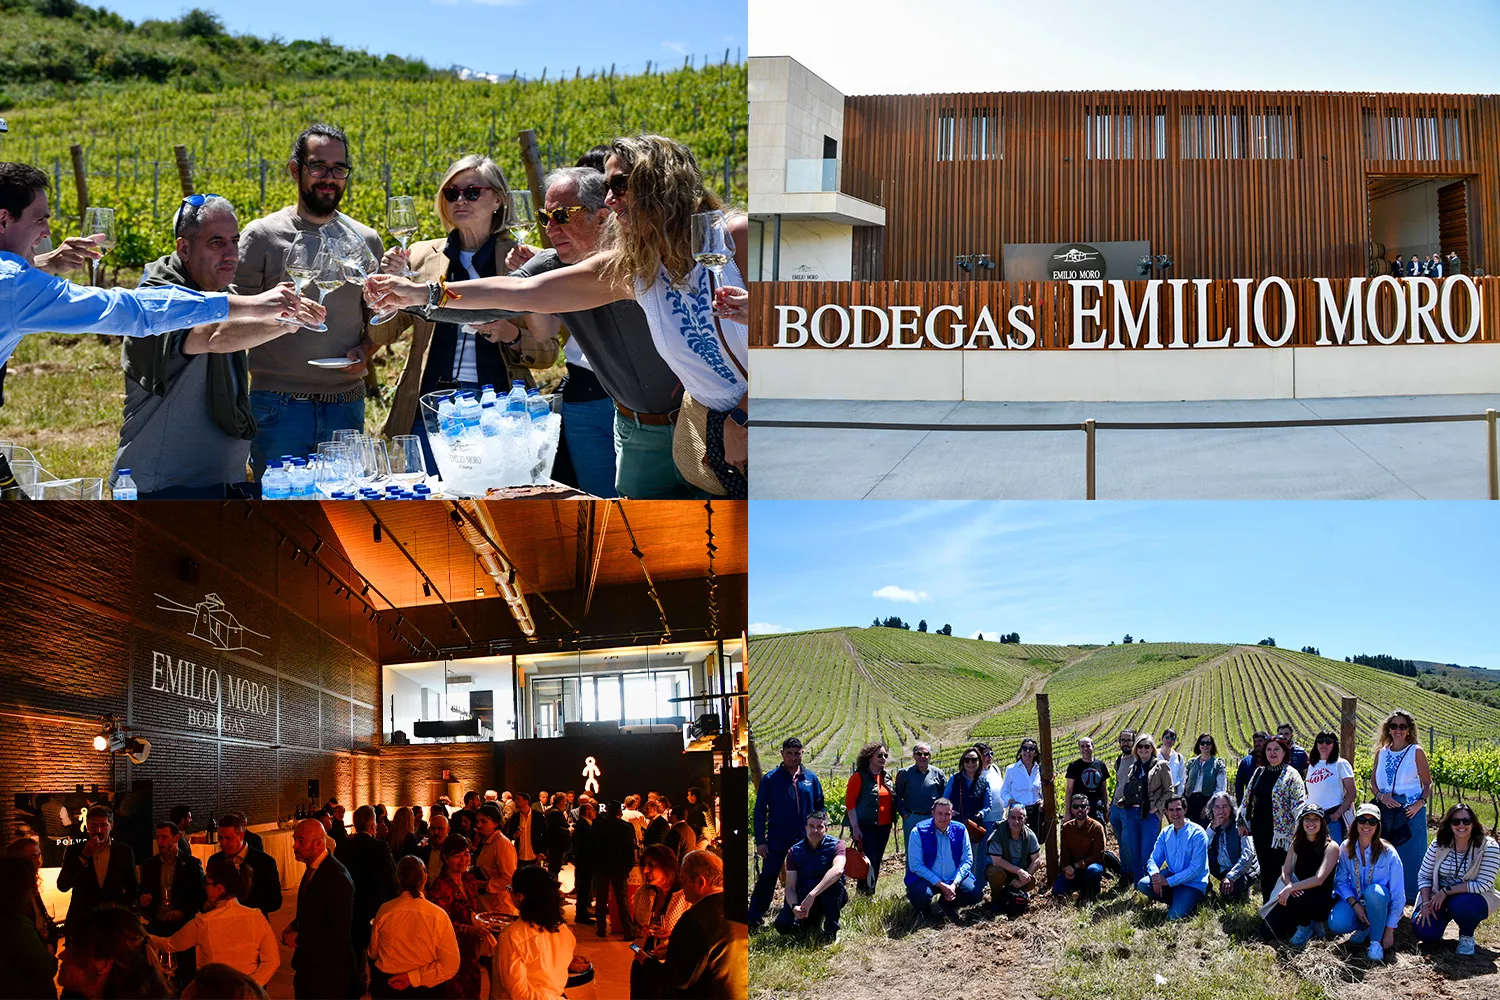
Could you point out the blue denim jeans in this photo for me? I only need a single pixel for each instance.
(589, 430)
(1181, 900)
(1138, 841)
(287, 426)
(1467, 909)
(966, 893)
(1342, 920)
(1087, 882)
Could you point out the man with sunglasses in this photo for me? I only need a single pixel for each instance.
(298, 405)
(188, 426)
(1081, 858)
(917, 787)
(616, 340)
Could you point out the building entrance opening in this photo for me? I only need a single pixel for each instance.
(1419, 215)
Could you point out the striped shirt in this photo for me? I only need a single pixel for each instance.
(1456, 863)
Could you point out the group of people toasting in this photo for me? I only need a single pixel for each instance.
(1325, 856)
(645, 270)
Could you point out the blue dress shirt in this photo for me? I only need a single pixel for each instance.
(33, 301)
(1184, 853)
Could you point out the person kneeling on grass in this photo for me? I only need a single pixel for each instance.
(1232, 865)
(1457, 880)
(1177, 871)
(1014, 854)
(814, 881)
(1306, 896)
(1082, 854)
(939, 863)
(1369, 884)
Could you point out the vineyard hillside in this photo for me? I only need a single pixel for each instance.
(840, 688)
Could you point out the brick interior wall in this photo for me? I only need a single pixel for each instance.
(83, 633)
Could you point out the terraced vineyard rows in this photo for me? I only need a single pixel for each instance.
(967, 678)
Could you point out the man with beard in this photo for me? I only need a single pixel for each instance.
(297, 405)
(187, 428)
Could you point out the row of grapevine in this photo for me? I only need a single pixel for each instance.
(403, 134)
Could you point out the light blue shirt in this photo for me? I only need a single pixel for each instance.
(1184, 853)
(33, 301)
(1355, 875)
(945, 868)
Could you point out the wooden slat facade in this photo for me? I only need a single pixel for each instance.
(1231, 184)
(1052, 310)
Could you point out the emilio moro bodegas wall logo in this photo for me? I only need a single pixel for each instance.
(239, 697)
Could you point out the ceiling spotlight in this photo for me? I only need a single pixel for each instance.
(377, 531)
(317, 546)
(1144, 266)
(457, 517)
(426, 589)
(1163, 261)
(365, 592)
(113, 738)
(399, 619)
(453, 624)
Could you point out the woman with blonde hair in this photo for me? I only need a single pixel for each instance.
(1141, 790)
(1402, 785)
(402, 837)
(654, 188)
(465, 350)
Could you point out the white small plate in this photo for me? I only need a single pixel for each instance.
(330, 362)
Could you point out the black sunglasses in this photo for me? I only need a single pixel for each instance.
(1368, 821)
(619, 184)
(558, 216)
(1461, 821)
(470, 193)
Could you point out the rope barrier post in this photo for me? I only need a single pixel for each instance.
(1088, 459)
(1489, 416)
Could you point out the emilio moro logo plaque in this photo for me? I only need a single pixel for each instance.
(216, 700)
(213, 623)
(1076, 262)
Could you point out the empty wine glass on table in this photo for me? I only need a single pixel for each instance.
(100, 222)
(408, 465)
(401, 220)
(522, 216)
(712, 244)
(303, 260)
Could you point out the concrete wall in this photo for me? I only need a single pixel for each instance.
(791, 110)
(1042, 376)
(1407, 223)
(812, 250)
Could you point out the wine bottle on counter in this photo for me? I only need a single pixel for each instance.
(213, 831)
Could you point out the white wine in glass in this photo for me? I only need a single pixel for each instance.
(522, 216)
(401, 220)
(712, 244)
(302, 259)
(100, 222)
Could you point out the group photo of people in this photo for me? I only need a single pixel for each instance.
(1287, 828)
(247, 357)
(483, 898)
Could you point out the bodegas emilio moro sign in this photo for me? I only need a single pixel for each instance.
(204, 687)
(1156, 314)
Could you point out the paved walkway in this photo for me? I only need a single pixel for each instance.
(1446, 461)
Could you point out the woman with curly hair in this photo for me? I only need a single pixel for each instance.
(1273, 800)
(457, 892)
(871, 808)
(531, 960)
(654, 187)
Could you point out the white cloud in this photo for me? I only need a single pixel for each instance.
(765, 628)
(677, 47)
(891, 592)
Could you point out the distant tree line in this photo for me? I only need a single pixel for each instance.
(895, 621)
(1390, 664)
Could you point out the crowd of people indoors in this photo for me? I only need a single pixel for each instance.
(1284, 826)
(228, 369)
(460, 901)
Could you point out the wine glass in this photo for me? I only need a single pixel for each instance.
(328, 274)
(360, 263)
(100, 221)
(522, 215)
(408, 465)
(303, 259)
(712, 244)
(372, 464)
(401, 220)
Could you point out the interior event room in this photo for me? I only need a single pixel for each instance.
(286, 660)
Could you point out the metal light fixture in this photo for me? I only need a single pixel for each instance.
(1144, 266)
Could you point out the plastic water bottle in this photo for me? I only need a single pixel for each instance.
(469, 410)
(299, 481)
(486, 395)
(515, 402)
(275, 485)
(489, 419)
(124, 487)
(449, 424)
(536, 405)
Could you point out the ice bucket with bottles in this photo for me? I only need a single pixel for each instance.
(478, 448)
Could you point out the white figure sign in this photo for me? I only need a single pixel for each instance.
(591, 774)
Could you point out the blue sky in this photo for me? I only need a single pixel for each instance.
(948, 46)
(493, 36)
(1415, 580)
